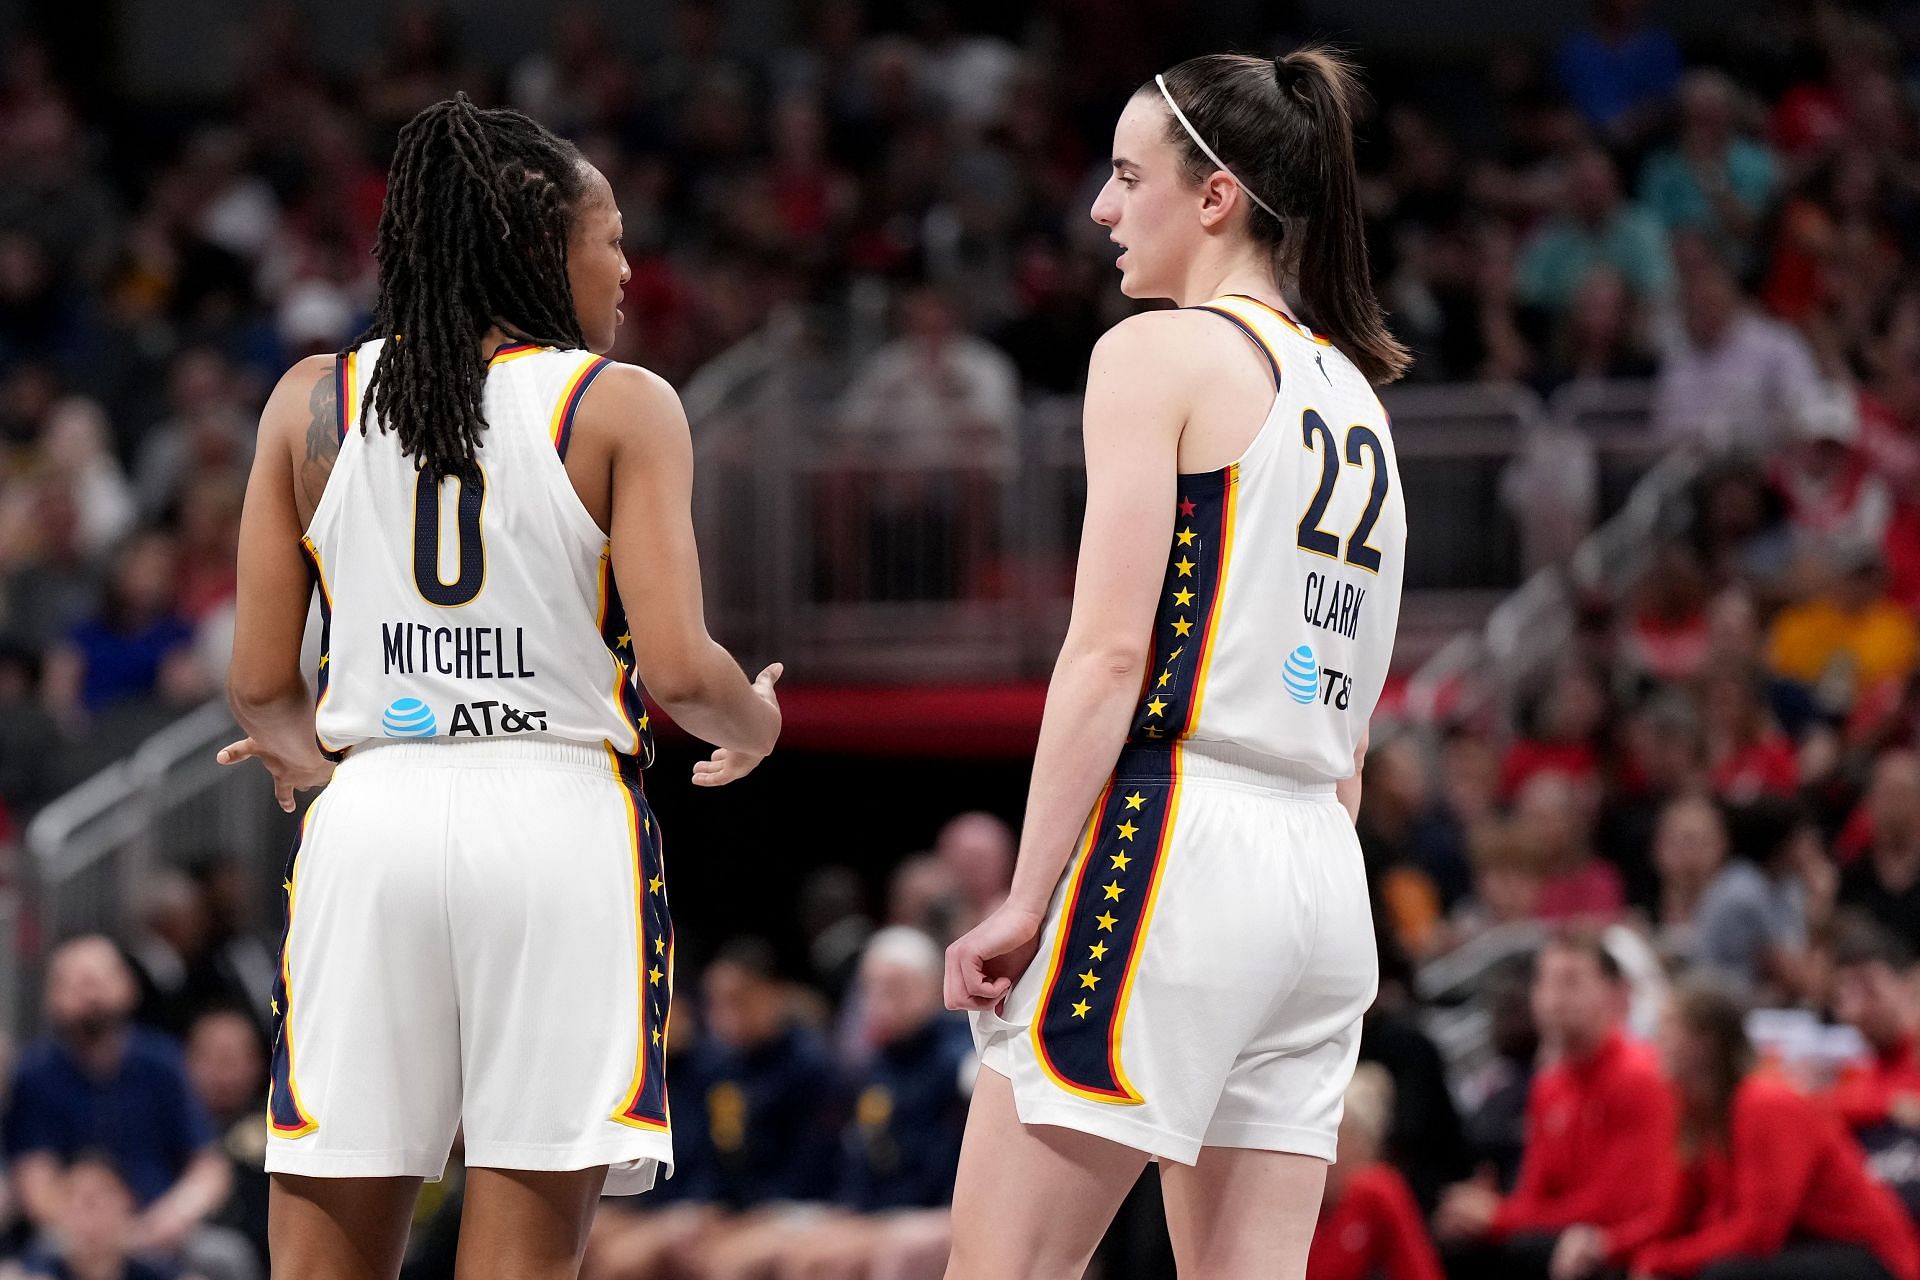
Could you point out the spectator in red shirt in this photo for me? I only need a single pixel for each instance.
(1370, 1226)
(1747, 754)
(1870, 967)
(1600, 1125)
(1569, 721)
(1771, 1185)
(1555, 815)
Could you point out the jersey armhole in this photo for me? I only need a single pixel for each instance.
(569, 404)
(344, 389)
(1253, 336)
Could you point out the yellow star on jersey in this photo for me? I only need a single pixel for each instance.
(1080, 1009)
(1161, 683)
(1126, 830)
(1113, 891)
(1181, 627)
(1183, 597)
(1135, 800)
(1156, 707)
(1185, 566)
(1105, 921)
(1120, 861)
(654, 975)
(1098, 951)
(653, 885)
(1186, 537)
(1089, 980)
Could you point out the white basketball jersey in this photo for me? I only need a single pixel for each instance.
(1282, 591)
(470, 609)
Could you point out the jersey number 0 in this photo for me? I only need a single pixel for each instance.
(426, 539)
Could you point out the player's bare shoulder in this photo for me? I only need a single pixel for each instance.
(302, 418)
(629, 404)
(1188, 349)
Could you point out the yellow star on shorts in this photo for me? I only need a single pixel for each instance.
(1113, 891)
(1098, 951)
(1157, 707)
(1080, 1009)
(1126, 830)
(1135, 800)
(275, 1006)
(656, 1035)
(1181, 626)
(1120, 861)
(654, 975)
(659, 946)
(1105, 922)
(1185, 566)
(1089, 980)
(626, 638)
(1161, 683)
(1186, 537)
(653, 885)
(1183, 597)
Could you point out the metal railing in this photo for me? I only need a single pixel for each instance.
(90, 852)
(953, 557)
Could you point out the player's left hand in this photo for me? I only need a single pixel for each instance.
(290, 773)
(724, 766)
(983, 964)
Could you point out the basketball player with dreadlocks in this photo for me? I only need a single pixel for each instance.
(477, 933)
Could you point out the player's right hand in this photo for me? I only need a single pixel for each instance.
(289, 774)
(730, 764)
(983, 964)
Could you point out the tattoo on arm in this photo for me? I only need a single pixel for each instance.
(323, 438)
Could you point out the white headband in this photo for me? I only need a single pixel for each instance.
(1207, 151)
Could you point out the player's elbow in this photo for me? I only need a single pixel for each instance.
(1116, 661)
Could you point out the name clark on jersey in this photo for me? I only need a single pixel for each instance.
(1333, 606)
(465, 653)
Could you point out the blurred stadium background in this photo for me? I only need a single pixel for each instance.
(1661, 450)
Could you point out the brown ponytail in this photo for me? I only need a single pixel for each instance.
(1285, 128)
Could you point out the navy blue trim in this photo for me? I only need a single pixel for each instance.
(1259, 343)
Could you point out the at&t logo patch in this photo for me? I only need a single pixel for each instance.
(408, 718)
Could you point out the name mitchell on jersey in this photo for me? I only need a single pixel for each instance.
(465, 653)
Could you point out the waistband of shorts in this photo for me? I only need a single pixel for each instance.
(538, 749)
(1229, 762)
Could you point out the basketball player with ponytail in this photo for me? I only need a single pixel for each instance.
(478, 937)
(1181, 968)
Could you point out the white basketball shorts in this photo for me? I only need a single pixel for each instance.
(1207, 959)
(477, 935)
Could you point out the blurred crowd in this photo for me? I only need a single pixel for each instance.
(1709, 806)
(1732, 216)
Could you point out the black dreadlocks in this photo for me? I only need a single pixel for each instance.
(473, 234)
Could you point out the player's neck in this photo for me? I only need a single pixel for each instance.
(1245, 273)
(492, 340)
